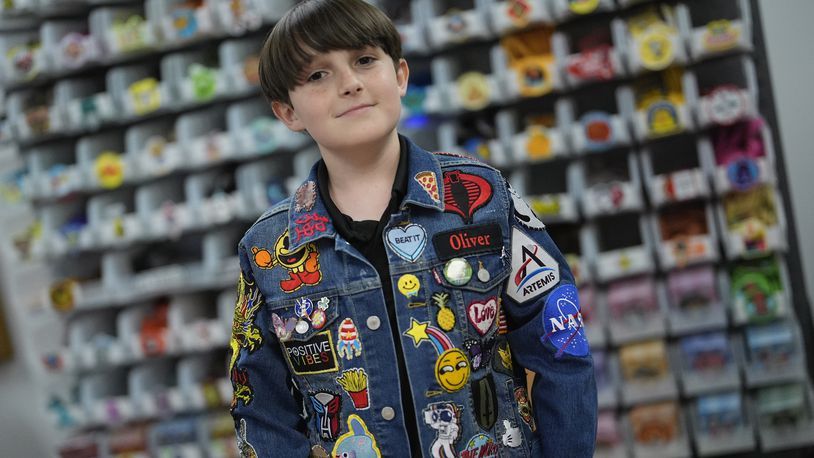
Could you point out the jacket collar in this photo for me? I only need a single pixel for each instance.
(308, 217)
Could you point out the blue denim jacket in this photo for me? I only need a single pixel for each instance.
(481, 292)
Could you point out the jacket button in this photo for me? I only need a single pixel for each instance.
(373, 322)
(388, 413)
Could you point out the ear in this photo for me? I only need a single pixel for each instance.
(402, 76)
(285, 113)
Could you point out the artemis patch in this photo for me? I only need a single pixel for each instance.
(534, 271)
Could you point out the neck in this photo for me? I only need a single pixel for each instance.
(361, 179)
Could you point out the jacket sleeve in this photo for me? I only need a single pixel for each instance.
(265, 406)
(547, 338)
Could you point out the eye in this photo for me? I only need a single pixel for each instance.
(316, 76)
(462, 364)
(366, 60)
(445, 369)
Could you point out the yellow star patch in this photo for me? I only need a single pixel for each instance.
(418, 331)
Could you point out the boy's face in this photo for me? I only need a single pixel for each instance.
(349, 98)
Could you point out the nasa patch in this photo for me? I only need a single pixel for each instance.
(534, 271)
(523, 213)
(562, 322)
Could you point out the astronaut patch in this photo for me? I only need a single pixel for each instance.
(316, 356)
(534, 271)
(562, 322)
(445, 419)
(523, 213)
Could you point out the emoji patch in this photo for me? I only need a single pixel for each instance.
(533, 270)
(327, 407)
(445, 419)
(408, 241)
(562, 321)
(482, 314)
(484, 399)
(452, 368)
(428, 181)
(316, 356)
(408, 285)
(357, 442)
(466, 241)
(245, 334)
(523, 213)
(465, 193)
(354, 382)
(302, 264)
(480, 446)
(349, 343)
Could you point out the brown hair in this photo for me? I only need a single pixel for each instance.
(318, 26)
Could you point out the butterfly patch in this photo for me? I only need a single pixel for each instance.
(479, 351)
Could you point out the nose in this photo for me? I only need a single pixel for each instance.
(350, 83)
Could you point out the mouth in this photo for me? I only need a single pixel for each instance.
(355, 110)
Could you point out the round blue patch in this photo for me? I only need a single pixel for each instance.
(562, 322)
(743, 173)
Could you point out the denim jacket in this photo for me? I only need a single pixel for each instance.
(481, 292)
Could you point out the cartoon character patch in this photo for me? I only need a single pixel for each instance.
(444, 418)
(511, 437)
(452, 369)
(562, 321)
(302, 264)
(245, 334)
(358, 442)
(465, 193)
(327, 407)
(349, 343)
(354, 382)
(428, 181)
(534, 271)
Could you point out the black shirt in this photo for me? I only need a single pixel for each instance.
(366, 236)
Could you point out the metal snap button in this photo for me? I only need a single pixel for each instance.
(373, 322)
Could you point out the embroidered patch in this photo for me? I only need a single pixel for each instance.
(727, 104)
(241, 387)
(484, 399)
(743, 173)
(318, 451)
(452, 369)
(524, 407)
(597, 129)
(245, 334)
(243, 446)
(445, 317)
(354, 382)
(262, 258)
(349, 343)
(302, 264)
(533, 270)
(445, 419)
(309, 224)
(562, 322)
(502, 327)
(480, 351)
(502, 361)
(470, 240)
(305, 197)
(523, 213)
(358, 441)
(408, 285)
(480, 446)
(465, 193)
(428, 181)
(512, 437)
(408, 241)
(327, 407)
(482, 314)
(316, 356)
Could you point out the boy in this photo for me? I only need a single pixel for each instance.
(390, 306)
